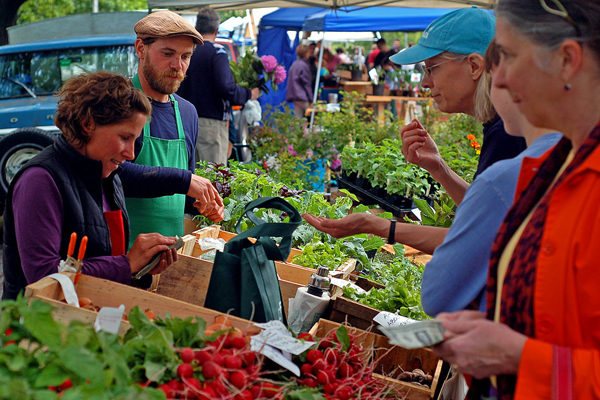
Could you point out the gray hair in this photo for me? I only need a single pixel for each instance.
(207, 21)
(550, 30)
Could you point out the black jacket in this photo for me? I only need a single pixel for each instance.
(209, 84)
(79, 180)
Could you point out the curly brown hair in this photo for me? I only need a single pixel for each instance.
(102, 97)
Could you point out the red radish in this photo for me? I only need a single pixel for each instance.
(344, 371)
(233, 362)
(344, 393)
(244, 395)
(322, 377)
(306, 369)
(187, 355)
(168, 390)
(238, 379)
(249, 358)
(218, 387)
(269, 390)
(211, 369)
(185, 370)
(207, 392)
(313, 355)
(193, 383)
(238, 342)
(310, 382)
(175, 385)
(219, 359)
(305, 336)
(318, 365)
(202, 356)
(331, 356)
(66, 384)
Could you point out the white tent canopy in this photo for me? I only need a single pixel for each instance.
(335, 4)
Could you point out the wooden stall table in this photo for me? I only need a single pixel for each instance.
(360, 87)
(405, 105)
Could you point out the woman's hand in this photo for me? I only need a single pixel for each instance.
(208, 202)
(419, 148)
(478, 346)
(146, 245)
(350, 225)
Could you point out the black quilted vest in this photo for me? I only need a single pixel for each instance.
(79, 180)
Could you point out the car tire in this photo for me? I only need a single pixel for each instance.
(16, 149)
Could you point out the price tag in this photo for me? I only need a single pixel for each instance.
(343, 283)
(109, 319)
(415, 77)
(386, 319)
(282, 340)
(67, 287)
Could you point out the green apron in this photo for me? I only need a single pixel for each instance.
(160, 214)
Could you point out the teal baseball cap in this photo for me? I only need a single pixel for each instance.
(464, 31)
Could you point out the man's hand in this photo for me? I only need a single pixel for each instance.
(208, 202)
(419, 148)
(146, 245)
(349, 225)
(479, 347)
(255, 93)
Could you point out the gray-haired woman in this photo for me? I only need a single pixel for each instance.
(541, 337)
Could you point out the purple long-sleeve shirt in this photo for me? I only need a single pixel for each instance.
(38, 213)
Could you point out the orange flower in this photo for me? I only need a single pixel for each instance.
(471, 137)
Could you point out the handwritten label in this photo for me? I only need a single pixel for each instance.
(67, 287)
(109, 319)
(385, 318)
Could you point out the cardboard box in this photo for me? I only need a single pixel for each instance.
(105, 293)
(188, 278)
(390, 360)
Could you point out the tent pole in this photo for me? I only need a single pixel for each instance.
(316, 92)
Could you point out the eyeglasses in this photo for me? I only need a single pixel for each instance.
(560, 11)
(427, 71)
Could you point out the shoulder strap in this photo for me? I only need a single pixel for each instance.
(267, 230)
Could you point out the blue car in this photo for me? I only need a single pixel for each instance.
(30, 75)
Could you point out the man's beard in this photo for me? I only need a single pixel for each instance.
(162, 82)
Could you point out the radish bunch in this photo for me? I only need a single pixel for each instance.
(336, 366)
(223, 369)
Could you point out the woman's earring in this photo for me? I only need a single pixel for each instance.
(567, 87)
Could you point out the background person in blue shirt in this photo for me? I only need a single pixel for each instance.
(211, 88)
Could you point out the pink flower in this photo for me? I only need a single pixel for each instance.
(291, 150)
(269, 62)
(336, 163)
(280, 74)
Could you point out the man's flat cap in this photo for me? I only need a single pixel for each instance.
(166, 24)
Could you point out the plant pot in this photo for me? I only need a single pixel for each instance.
(379, 192)
(378, 90)
(357, 75)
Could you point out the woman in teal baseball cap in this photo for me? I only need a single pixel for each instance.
(452, 48)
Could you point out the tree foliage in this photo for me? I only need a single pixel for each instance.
(36, 10)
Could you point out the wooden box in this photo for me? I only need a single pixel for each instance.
(390, 360)
(105, 293)
(188, 278)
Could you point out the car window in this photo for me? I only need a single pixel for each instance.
(44, 72)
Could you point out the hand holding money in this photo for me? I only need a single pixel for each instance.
(418, 334)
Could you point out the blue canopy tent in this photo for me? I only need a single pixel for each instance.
(273, 38)
(354, 19)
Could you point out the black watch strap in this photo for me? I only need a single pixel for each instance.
(392, 233)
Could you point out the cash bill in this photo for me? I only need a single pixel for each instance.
(415, 335)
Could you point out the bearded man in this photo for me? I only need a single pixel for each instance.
(166, 148)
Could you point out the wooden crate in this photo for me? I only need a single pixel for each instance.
(105, 293)
(188, 278)
(390, 360)
(411, 253)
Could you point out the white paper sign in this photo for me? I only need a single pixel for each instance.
(275, 355)
(343, 283)
(385, 318)
(415, 77)
(281, 339)
(109, 319)
(67, 287)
